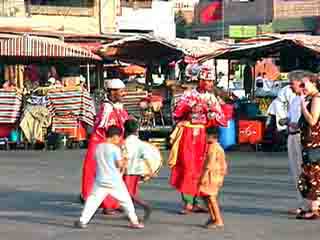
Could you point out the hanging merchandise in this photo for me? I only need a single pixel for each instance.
(14, 75)
(20, 76)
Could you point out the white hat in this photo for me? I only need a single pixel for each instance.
(52, 80)
(115, 83)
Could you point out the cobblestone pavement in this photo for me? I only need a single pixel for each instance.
(39, 200)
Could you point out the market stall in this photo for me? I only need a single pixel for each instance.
(10, 109)
(30, 66)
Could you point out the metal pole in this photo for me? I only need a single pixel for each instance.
(253, 82)
(88, 77)
(229, 75)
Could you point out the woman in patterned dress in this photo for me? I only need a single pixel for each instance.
(309, 182)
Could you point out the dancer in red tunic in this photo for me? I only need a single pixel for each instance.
(111, 113)
(195, 111)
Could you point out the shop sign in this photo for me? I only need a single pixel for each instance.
(241, 31)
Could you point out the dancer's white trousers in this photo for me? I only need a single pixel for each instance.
(97, 196)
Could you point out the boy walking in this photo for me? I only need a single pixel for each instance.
(215, 168)
(137, 153)
(109, 181)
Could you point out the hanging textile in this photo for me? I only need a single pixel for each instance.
(10, 105)
(72, 102)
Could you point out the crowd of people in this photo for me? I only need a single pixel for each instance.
(115, 161)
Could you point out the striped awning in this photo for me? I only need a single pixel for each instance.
(33, 47)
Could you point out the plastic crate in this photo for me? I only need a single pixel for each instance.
(251, 131)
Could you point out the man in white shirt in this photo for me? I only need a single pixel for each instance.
(109, 181)
(279, 106)
(294, 138)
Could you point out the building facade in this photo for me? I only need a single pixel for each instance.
(77, 16)
(155, 17)
(186, 8)
(296, 16)
(281, 16)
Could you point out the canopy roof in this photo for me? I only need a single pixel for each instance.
(142, 50)
(268, 45)
(199, 48)
(42, 47)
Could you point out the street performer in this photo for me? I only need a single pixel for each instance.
(111, 113)
(195, 111)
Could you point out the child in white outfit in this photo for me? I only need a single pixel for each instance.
(109, 181)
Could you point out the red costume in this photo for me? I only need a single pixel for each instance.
(109, 114)
(194, 112)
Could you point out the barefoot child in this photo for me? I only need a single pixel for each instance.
(109, 181)
(215, 168)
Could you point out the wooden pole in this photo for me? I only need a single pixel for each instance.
(88, 76)
(99, 69)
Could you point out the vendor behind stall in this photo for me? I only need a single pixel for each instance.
(53, 83)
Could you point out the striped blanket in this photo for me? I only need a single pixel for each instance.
(72, 102)
(10, 106)
(64, 122)
(132, 100)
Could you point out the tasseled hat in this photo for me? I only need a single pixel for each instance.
(206, 74)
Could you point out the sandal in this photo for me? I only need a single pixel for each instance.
(295, 211)
(136, 225)
(214, 226)
(187, 209)
(199, 209)
(307, 216)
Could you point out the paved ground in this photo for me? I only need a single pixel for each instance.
(39, 190)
